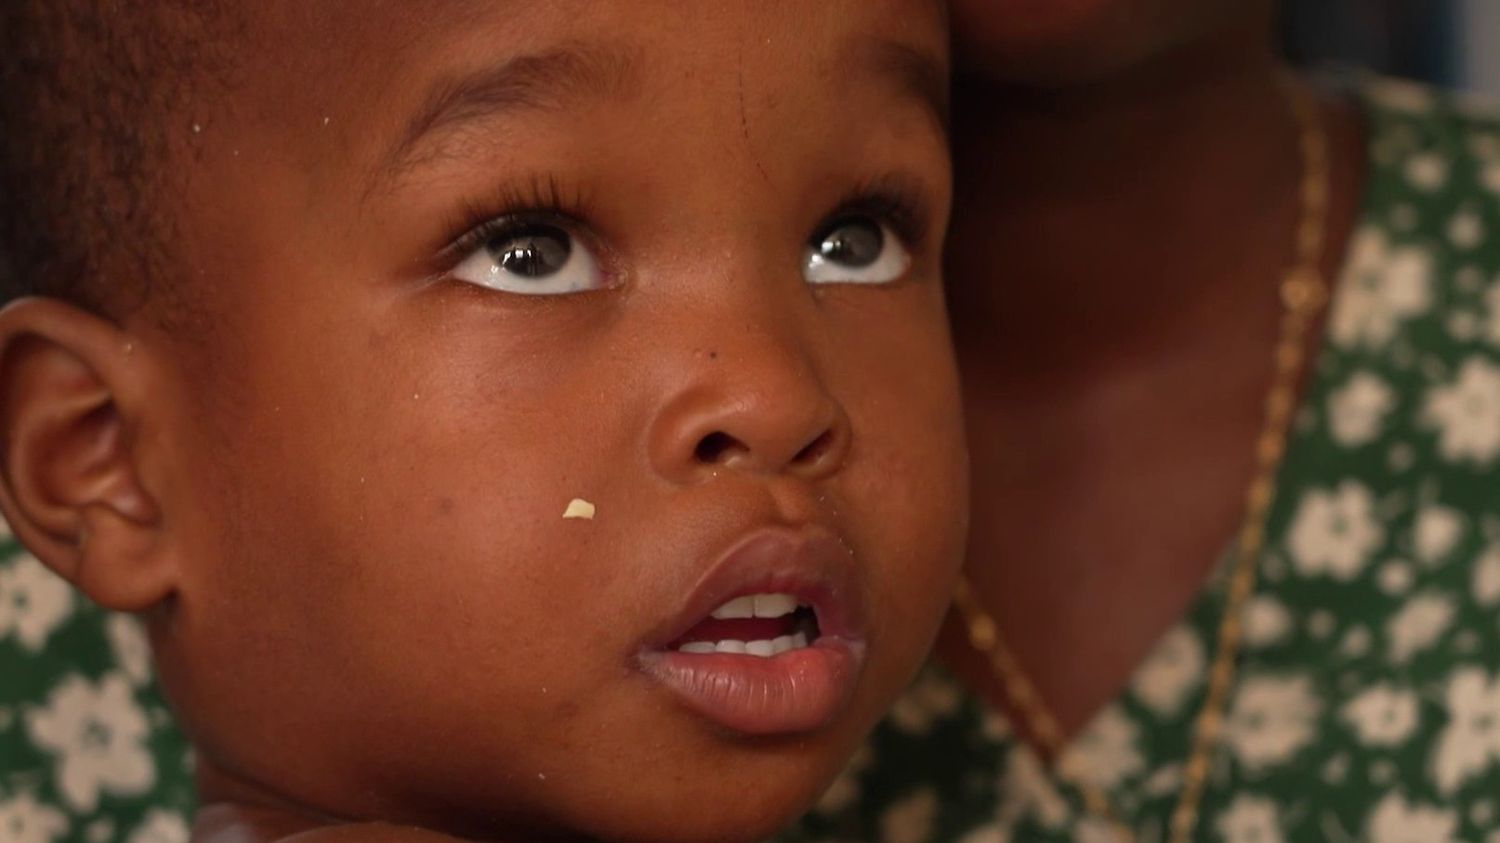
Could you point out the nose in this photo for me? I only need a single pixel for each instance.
(758, 409)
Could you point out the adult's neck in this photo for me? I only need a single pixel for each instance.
(1126, 217)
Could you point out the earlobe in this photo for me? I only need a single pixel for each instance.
(70, 483)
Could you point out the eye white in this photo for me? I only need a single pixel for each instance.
(855, 250)
(532, 259)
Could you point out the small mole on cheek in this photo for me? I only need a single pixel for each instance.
(713, 355)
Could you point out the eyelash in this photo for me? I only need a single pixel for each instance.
(892, 200)
(539, 199)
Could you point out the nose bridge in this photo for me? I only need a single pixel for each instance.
(751, 398)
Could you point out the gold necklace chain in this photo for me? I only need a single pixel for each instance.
(1303, 294)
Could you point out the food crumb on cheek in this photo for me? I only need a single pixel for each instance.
(579, 508)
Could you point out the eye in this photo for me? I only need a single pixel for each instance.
(530, 257)
(855, 250)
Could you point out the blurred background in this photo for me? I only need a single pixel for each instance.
(1455, 43)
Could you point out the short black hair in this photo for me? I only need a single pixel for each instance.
(93, 94)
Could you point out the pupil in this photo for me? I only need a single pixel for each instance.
(534, 253)
(852, 243)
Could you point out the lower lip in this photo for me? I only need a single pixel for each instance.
(795, 691)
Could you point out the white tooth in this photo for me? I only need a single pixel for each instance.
(697, 647)
(774, 605)
(781, 644)
(760, 648)
(799, 641)
(739, 607)
(730, 646)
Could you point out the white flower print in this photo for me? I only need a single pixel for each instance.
(1321, 623)
(99, 831)
(1463, 325)
(929, 699)
(1250, 819)
(1396, 821)
(1427, 171)
(1401, 95)
(1358, 408)
(127, 640)
(24, 820)
(1472, 737)
(1485, 145)
(909, 820)
(1394, 577)
(1466, 229)
(1490, 178)
(1492, 305)
(1105, 754)
(161, 827)
(1466, 413)
(1356, 642)
(1026, 790)
(1163, 782)
(1266, 622)
(97, 733)
(1418, 625)
(1486, 578)
(1335, 532)
(1437, 530)
(991, 833)
(1382, 288)
(1271, 719)
(33, 601)
(1174, 668)
(1382, 715)
(1093, 830)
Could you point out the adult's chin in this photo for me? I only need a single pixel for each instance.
(1057, 43)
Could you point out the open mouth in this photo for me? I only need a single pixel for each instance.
(762, 625)
(771, 640)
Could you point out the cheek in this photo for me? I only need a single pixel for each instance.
(906, 487)
(397, 525)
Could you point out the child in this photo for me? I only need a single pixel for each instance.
(514, 420)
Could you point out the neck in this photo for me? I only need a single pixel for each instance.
(1127, 217)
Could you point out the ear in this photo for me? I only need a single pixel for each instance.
(70, 485)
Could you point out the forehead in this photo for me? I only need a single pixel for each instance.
(414, 80)
(392, 51)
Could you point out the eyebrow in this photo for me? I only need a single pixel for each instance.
(922, 75)
(548, 81)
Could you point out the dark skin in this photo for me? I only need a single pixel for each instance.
(337, 495)
(1129, 173)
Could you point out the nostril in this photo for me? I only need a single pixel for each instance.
(717, 447)
(816, 450)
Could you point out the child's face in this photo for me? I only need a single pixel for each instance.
(457, 264)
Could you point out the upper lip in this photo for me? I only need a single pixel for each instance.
(811, 564)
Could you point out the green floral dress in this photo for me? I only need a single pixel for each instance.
(1367, 706)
